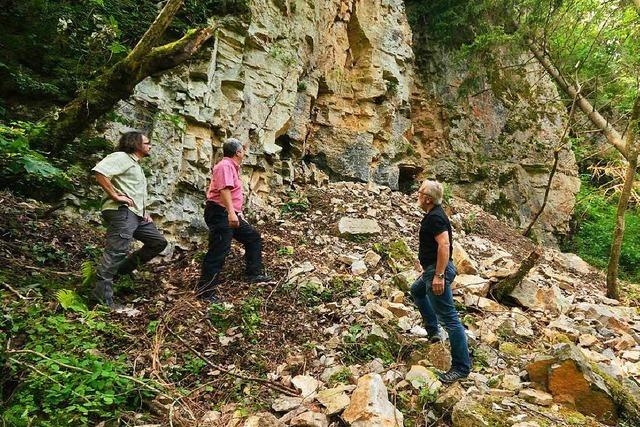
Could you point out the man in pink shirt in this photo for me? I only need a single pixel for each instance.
(223, 215)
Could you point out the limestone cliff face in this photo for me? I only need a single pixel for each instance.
(307, 82)
(495, 141)
(326, 89)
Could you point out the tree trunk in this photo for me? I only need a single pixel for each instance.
(554, 168)
(155, 31)
(503, 288)
(627, 145)
(612, 135)
(556, 157)
(618, 233)
(118, 82)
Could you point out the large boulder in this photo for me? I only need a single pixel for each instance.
(539, 296)
(463, 262)
(358, 226)
(574, 381)
(370, 405)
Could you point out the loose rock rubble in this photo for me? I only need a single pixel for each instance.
(543, 358)
(555, 351)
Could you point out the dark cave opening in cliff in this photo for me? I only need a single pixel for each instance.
(407, 178)
(286, 143)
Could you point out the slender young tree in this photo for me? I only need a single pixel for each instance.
(598, 41)
(625, 142)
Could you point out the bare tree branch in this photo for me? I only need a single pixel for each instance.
(612, 135)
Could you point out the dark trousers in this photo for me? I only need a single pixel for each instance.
(220, 235)
(122, 227)
(441, 309)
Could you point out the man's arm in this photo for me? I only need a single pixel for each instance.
(225, 195)
(113, 194)
(441, 263)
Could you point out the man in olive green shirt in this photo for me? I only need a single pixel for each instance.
(124, 211)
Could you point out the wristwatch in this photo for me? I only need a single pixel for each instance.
(440, 275)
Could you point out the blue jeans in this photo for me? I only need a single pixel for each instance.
(440, 308)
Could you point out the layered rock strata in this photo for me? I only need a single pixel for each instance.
(307, 83)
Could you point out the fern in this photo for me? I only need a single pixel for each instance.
(69, 300)
(88, 273)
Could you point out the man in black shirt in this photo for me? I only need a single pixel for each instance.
(432, 291)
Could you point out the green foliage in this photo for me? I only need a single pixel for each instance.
(191, 365)
(177, 121)
(426, 396)
(296, 205)
(282, 53)
(70, 300)
(358, 348)
(595, 222)
(220, 316)
(357, 238)
(88, 273)
(23, 168)
(285, 251)
(343, 376)
(480, 357)
(63, 378)
(339, 286)
(250, 316)
(52, 48)
(313, 294)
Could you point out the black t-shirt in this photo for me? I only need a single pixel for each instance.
(433, 223)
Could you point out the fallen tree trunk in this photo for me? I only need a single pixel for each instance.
(503, 288)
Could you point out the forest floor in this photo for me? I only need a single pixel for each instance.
(171, 358)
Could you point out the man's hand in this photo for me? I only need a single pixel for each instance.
(437, 285)
(147, 218)
(121, 198)
(234, 222)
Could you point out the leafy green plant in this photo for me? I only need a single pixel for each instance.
(343, 376)
(22, 167)
(358, 349)
(296, 205)
(46, 253)
(358, 238)
(312, 294)
(427, 396)
(63, 378)
(70, 300)
(88, 271)
(595, 219)
(220, 316)
(285, 251)
(250, 316)
(480, 357)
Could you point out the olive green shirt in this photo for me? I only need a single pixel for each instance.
(127, 177)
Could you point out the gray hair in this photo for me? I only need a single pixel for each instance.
(434, 190)
(230, 147)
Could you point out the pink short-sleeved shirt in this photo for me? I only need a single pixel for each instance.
(226, 174)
